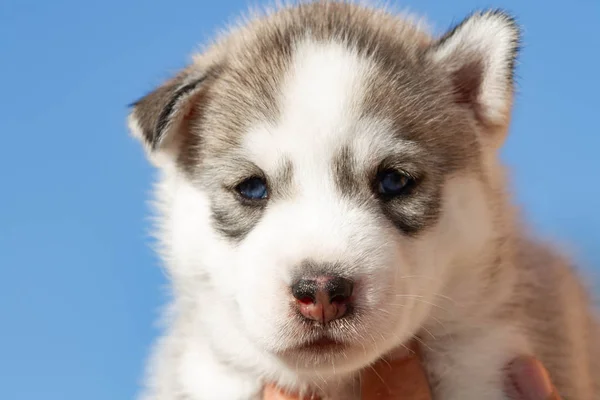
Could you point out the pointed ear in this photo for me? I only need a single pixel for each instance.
(158, 118)
(480, 55)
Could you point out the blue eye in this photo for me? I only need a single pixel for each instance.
(253, 189)
(392, 183)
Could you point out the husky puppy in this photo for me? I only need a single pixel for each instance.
(330, 188)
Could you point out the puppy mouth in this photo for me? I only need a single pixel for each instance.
(320, 345)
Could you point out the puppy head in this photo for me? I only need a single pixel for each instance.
(326, 172)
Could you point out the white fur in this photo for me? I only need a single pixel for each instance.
(220, 344)
(322, 84)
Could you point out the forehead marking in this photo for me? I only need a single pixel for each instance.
(319, 98)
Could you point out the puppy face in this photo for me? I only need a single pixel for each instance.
(324, 174)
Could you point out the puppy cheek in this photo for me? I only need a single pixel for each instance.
(262, 300)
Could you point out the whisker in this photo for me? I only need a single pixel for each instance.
(429, 332)
(420, 299)
(317, 385)
(450, 299)
(423, 343)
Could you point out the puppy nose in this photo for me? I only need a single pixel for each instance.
(324, 298)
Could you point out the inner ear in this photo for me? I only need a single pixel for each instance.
(466, 83)
(177, 110)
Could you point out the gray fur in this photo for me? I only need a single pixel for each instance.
(440, 131)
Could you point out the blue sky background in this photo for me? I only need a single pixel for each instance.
(79, 285)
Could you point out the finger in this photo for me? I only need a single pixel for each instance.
(529, 380)
(402, 378)
(271, 392)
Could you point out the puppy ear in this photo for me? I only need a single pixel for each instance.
(158, 118)
(479, 56)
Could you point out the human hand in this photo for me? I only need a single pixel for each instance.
(526, 379)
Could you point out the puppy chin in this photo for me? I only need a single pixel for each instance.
(329, 362)
(331, 358)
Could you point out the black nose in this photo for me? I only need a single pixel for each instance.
(324, 288)
(339, 289)
(324, 298)
(305, 290)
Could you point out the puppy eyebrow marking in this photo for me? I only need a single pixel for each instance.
(345, 170)
(283, 179)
